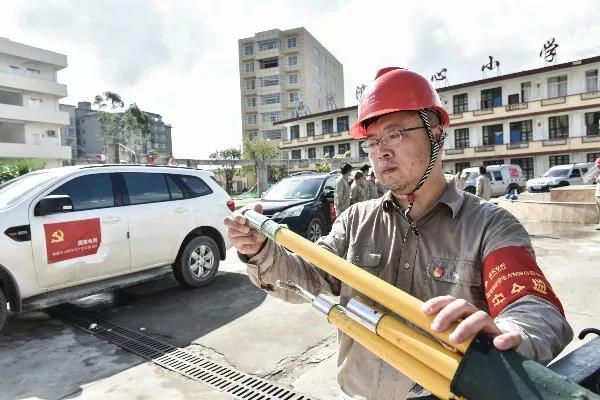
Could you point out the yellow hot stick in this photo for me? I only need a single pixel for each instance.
(419, 346)
(437, 384)
(382, 292)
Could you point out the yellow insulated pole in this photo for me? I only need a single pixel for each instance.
(427, 377)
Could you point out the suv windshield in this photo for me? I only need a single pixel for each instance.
(556, 173)
(14, 190)
(295, 188)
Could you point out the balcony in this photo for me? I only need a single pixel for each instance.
(21, 150)
(554, 142)
(514, 107)
(456, 116)
(483, 111)
(34, 85)
(590, 139)
(450, 152)
(590, 95)
(554, 100)
(24, 114)
(517, 145)
(318, 139)
(485, 148)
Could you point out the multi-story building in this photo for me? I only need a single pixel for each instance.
(68, 133)
(30, 119)
(88, 129)
(285, 74)
(536, 118)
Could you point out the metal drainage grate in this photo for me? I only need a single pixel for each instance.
(226, 379)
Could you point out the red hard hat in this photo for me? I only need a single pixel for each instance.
(396, 89)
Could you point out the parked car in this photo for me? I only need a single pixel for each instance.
(73, 231)
(558, 176)
(303, 202)
(505, 178)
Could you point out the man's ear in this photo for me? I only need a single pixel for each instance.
(436, 131)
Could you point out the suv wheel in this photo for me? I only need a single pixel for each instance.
(563, 184)
(314, 230)
(198, 264)
(3, 309)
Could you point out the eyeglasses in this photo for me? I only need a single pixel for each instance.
(389, 138)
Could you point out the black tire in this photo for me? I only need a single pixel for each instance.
(563, 184)
(470, 189)
(315, 229)
(198, 263)
(3, 309)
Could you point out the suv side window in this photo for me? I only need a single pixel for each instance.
(497, 175)
(88, 192)
(330, 183)
(174, 188)
(146, 187)
(575, 173)
(194, 186)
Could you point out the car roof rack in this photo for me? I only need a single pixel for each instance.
(138, 165)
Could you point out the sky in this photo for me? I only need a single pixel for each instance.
(179, 58)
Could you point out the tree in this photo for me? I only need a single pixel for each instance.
(324, 167)
(228, 168)
(264, 150)
(119, 125)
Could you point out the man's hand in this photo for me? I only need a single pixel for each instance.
(247, 241)
(473, 321)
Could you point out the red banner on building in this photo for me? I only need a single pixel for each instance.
(66, 240)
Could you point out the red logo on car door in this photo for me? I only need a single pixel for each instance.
(66, 240)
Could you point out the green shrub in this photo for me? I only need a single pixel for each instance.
(10, 169)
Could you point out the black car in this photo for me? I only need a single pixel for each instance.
(303, 202)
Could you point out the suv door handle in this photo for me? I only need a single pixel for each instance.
(111, 220)
(181, 210)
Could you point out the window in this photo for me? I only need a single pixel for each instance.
(493, 162)
(525, 92)
(271, 116)
(296, 154)
(591, 80)
(272, 98)
(492, 134)
(312, 152)
(250, 67)
(558, 127)
(14, 70)
(35, 103)
(269, 63)
(268, 44)
(248, 49)
(461, 103)
(292, 78)
(559, 160)
(461, 138)
(250, 84)
(32, 72)
(513, 98)
(251, 101)
(342, 124)
(193, 186)
(294, 97)
(291, 43)
(526, 165)
(329, 151)
(310, 129)
(462, 165)
(327, 125)
(557, 86)
(591, 123)
(591, 157)
(361, 152)
(292, 60)
(491, 98)
(271, 80)
(146, 187)
(252, 136)
(521, 131)
(343, 148)
(174, 188)
(251, 119)
(272, 134)
(294, 132)
(88, 192)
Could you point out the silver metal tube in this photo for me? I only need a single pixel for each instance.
(323, 304)
(261, 223)
(364, 315)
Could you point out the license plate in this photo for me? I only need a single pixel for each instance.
(536, 187)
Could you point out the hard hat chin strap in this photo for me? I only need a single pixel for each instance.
(435, 152)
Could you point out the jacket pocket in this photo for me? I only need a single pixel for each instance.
(458, 272)
(366, 257)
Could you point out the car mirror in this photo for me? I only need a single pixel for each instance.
(53, 204)
(328, 193)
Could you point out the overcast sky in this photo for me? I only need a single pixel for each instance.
(180, 59)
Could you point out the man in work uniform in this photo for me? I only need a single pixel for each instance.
(359, 191)
(483, 186)
(369, 182)
(469, 260)
(341, 196)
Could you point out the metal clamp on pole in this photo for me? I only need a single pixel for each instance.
(322, 303)
(364, 315)
(261, 223)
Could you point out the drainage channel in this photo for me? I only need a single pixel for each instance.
(225, 379)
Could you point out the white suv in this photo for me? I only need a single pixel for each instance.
(73, 231)
(505, 178)
(558, 176)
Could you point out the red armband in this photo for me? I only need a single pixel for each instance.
(511, 273)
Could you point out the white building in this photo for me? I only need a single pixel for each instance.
(30, 119)
(284, 74)
(536, 118)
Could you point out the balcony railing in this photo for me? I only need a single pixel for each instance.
(456, 116)
(590, 95)
(517, 106)
(481, 149)
(319, 137)
(588, 139)
(483, 111)
(450, 152)
(554, 142)
(302, 139)
(554, 100)
(517, 145)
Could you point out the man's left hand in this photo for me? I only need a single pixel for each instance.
(471, 322)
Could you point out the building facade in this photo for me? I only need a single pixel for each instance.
(285, 74)
(68, 133)
(30, 118)
(536, 118)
